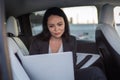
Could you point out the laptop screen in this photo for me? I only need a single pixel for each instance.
(57, 66)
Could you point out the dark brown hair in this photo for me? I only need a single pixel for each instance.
(45, 34)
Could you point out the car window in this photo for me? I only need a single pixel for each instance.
(117, 19)
(82, 21)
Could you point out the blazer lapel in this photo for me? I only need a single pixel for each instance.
(65, 45)
(45, 47)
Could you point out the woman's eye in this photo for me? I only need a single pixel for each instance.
(50, 26)
(59, 24)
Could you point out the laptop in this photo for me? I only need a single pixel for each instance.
(56, 66)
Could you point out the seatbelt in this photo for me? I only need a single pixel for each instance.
(14, 38)
(79, 65)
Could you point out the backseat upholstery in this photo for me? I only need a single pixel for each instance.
(108, 42)
(14, 51)
(12, 31)
(18, 71)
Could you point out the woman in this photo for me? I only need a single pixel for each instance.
(56, 38)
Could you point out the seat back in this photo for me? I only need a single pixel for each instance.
(108, 41)
(17, 69)
(12, 30)
(14, 51)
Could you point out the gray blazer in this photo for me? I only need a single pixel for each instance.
(42, 47)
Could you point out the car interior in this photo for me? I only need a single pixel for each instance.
(20, 21)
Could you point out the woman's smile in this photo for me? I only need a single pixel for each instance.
(56, 26)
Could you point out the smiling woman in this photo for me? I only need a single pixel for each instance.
(82, 20)
(55, 38)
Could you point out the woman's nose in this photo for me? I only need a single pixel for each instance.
(56, 28)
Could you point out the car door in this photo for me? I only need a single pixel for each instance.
(5, 69)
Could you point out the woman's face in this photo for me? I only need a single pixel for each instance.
(56, 26)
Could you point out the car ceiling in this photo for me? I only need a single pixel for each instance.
(19, 7)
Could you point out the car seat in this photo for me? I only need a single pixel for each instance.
(18, 71)
(108, 42)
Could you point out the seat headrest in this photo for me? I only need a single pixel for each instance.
(12, 26)
(106, 14)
